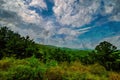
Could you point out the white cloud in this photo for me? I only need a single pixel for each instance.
(38, 3)
(22, 10)
(84, 29)
(72, 13)
(67, 12)
(115, 17)
(13, 5)
(108, 9)
(30, 17)
(112, 7)
(23, 19)
(48, 26)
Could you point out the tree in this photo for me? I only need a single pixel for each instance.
(106, 55)
(105, 48)
(12, 43)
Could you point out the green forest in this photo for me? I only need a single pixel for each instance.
(23, 59)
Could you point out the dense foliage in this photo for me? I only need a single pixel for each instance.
(105, 54)
(12, 44)
(33, 69)
(108, 55)
(40, 62)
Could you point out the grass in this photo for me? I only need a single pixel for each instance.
(34, 69)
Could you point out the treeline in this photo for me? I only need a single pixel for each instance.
(12, 44)
(105, 54)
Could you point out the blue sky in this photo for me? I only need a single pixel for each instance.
(80, 24)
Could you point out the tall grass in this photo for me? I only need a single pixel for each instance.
(34, 69)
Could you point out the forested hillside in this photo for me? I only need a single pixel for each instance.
(23, 59)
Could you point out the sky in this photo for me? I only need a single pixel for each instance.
(80, 24)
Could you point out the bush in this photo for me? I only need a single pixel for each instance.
(97, 69)
(21, 72)
(33, 69)
(52, 63)
(6, 63)
(74, 76)
(24, 69)
(114, 76)
(54, 73)
(77, 66)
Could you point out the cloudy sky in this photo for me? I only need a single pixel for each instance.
(67, 23)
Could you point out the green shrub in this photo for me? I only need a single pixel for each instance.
(6, 63)
(21, 72)
(54, 73)
(25, 72)
(52, 63)
(97, 69)
(24, 69)
(33, 62)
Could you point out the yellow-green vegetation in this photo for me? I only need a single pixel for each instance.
(23, 59)
(33, 69)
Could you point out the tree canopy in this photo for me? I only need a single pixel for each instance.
(12, 44)
(108, 55)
